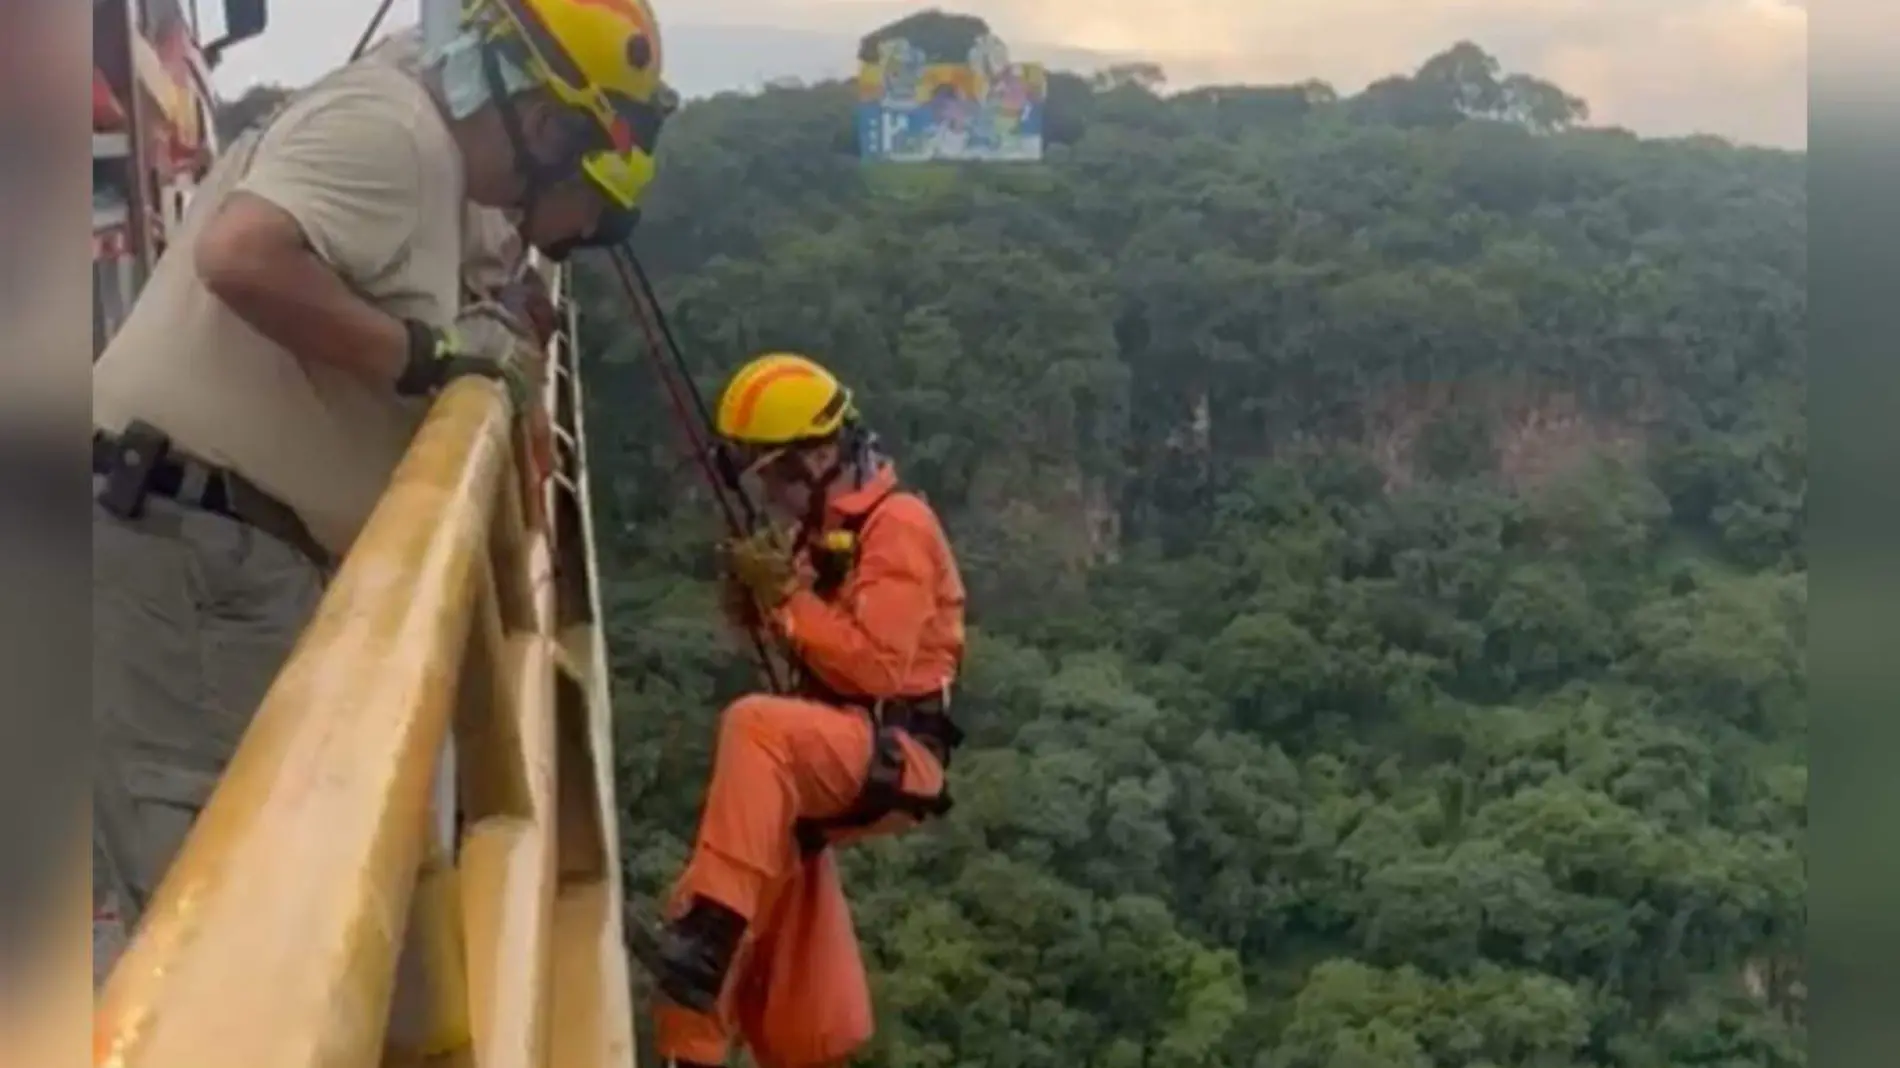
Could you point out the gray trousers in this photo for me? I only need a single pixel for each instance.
(193, 615)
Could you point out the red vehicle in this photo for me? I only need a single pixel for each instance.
(152, 139)
(152, 134)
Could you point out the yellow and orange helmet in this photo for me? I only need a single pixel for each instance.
(602, 57)
(782, 399)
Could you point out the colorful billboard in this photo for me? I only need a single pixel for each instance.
(987, 108)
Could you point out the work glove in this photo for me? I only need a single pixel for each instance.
(486, 340)
(528, 302)
(515, 310)
(760, 564)
(737, 605)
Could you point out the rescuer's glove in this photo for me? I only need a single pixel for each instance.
(760, 564)
(484, 340)
(736, 603)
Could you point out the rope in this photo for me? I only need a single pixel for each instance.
(369, 31)
(690, 412)
(666, 332)
(695, 423)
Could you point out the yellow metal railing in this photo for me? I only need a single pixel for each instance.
(456, 625)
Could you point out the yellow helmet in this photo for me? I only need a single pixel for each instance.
(781, 399)
(597, 56)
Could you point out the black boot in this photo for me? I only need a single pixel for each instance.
(689, 956)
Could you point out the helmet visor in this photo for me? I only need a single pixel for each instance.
(620, 176)
(624, 166)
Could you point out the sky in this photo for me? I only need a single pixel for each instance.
(1734, 68)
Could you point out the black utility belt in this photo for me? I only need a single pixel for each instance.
(139, 464)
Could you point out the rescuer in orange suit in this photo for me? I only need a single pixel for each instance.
(866, 598)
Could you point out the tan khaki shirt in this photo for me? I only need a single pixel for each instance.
(365, 163)
(492, 251)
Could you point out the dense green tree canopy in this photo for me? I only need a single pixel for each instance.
(1383, 517)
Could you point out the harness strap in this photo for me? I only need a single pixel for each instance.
(834, 566)
(882, 793)
(925, 718)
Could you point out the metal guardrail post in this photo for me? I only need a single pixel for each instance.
(593, 1009)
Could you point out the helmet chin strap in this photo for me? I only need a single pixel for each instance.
(536, 175)
(857, 453)
(615, 225)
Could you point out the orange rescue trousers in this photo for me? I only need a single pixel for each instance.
(796, 993)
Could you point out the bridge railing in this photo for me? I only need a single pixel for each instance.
(318, 885)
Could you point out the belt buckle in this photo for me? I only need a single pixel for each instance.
(195, 482)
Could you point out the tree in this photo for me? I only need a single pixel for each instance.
(941, 37)
(1383, 525)
(1466, 82)
(1147, 77)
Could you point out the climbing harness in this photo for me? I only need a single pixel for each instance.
(925, 717)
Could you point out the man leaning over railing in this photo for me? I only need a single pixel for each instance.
(252, 408)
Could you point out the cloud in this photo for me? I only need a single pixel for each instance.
(304, 39)
(1732, 67)
(1735, 68)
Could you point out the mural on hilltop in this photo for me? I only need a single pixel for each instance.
(986, 108)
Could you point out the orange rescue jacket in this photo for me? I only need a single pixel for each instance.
(894, 627)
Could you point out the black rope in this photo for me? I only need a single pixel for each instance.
(689, 410)
(721, 459)
(369, 31)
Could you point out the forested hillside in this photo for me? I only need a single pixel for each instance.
(1383, 517)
